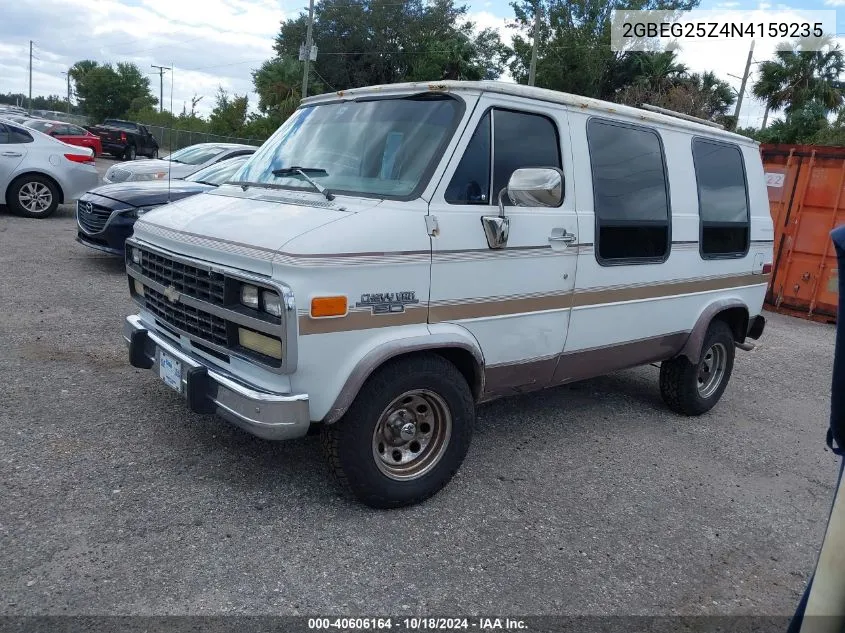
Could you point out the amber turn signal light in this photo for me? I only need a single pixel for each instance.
(328, 306)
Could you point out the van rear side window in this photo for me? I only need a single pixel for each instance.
(722, 199)
(630, 193)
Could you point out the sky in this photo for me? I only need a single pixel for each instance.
(223, 42)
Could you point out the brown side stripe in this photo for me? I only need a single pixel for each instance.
(361, 320)
(600, 297)
(499, 307)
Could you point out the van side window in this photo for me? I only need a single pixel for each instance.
(519, 140)
(722, 199)
(630, 193)
(470, 183)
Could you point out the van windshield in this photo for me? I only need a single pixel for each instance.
(372, 147)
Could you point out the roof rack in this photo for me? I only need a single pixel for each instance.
(679, 115)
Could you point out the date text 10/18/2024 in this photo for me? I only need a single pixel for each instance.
(417, 624)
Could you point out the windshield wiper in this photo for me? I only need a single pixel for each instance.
(304, 171)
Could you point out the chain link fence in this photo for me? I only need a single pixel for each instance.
(169, 139)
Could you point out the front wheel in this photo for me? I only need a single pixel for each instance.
(33, 196)
(695, 388)
(154, 153)
(130, 153)
(405, 435)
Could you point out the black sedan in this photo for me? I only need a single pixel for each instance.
(105, 215)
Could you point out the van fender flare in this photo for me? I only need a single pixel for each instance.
(441, 336)
(692, 348)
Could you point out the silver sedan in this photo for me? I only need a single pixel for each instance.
(179, 164)
(39, 172)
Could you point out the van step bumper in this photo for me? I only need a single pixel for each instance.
(271, 416)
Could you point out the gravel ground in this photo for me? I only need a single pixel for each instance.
(588, 499)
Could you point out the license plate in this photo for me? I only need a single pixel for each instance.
(170, 371)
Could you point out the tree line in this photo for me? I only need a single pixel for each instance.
(368, 42)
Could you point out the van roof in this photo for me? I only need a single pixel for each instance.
(532, 92)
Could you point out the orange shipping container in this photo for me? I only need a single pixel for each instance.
(806, 185)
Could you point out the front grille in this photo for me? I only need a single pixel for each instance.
(92, 217)
(198, 283)
(118, 175)
(203, 325)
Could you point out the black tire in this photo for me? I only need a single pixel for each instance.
(29, 184)
(689, 388)
(130, 153)
(154, 153)
(351, 444)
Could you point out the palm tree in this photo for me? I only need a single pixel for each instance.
(657, 72)
(798, 76)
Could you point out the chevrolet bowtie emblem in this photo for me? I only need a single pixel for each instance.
(172, 294)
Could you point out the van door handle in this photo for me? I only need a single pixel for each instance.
(12, 154)
(567, 238)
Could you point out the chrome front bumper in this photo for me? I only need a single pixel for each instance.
(271, 416)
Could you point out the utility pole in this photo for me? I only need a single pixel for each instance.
(308, 44)
(533, 69)
(30, 76)
(742, 85)
(161, 70)
(68, 90)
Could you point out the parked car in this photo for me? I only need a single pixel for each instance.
(386, 261)
(11, 109)
(39, 172)
(67, 133)
(19, 118)
(105, 215)
(179, 164)
(125, 139)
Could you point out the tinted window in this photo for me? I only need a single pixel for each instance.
(470, 183)
(41, 126)
(195, 154)
(18, 135)
(630, 193)
(126, 125)
(519, 140)
(4, 135)
(722, 198)
(73, 130)
(218, 173)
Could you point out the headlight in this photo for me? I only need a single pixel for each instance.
(137, 213)
(157, 175)
(249, 296)
(262, 299)
(271, 302)
(135, 254)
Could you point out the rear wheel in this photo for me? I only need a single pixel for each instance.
(33, 196)
(405, 435)
(130, 153)
(695, 388)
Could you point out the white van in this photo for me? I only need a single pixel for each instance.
(393, 256)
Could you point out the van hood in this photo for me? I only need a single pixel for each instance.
(241, 229)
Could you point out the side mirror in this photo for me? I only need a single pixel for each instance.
(536, 187)
(528, 187)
